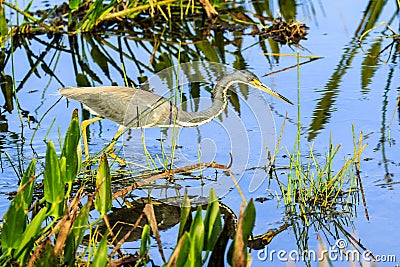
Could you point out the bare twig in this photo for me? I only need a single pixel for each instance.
(169, 173)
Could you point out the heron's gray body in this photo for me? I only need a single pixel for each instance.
(135, 108)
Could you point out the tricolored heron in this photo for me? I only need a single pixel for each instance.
(136, 108)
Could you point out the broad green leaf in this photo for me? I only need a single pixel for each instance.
(105, 11)
(249, 218)
(264, 7)
(28, 190)
(15, 219)
(180, 255)
(71, 149)
(196, 238)
(212, 222)
(53, 185)
(63, 168)
(101, 255)
(96, 11)
(3, 23)
(103, 200)
(74, 4)
(14, 223)
(96, 14)
(29, 237)
(186, 217)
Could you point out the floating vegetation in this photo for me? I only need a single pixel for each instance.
(130, 16)
(283, 32)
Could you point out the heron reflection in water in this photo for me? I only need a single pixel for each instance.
(136, 108)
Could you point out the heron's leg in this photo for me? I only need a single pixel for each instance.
(110, 147)
(85, 124)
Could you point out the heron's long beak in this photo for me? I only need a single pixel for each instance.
(259, 85)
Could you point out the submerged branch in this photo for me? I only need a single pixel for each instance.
(170, 173)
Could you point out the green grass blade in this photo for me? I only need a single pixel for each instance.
(145, 242)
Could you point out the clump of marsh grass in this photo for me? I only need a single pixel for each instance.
(320, 191)
(315, 186)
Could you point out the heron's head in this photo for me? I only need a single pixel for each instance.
(251, 79)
